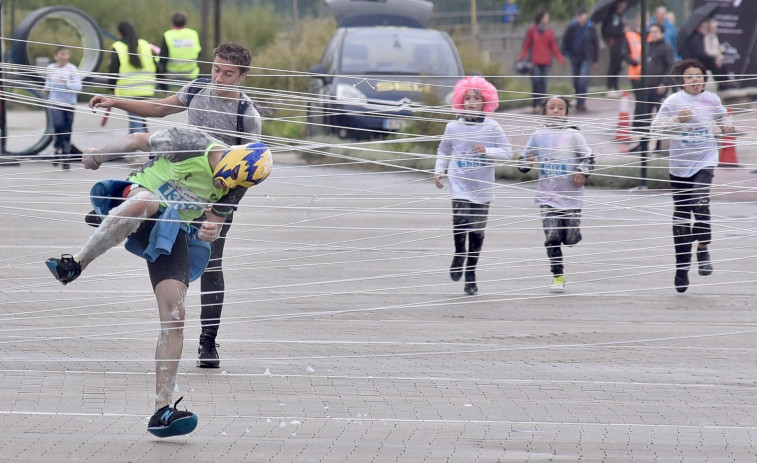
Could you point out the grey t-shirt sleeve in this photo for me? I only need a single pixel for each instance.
(183, 93)
(180, 140)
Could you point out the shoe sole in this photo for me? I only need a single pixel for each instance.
(177, 428)
(93, 220)
(556, 290)
(208, 363)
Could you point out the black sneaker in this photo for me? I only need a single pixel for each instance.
(682, 280)
(65, 269)
(471, 289)
(456, 269)
(207, 355)
(169, 421)
(92, 219)
(705, 266)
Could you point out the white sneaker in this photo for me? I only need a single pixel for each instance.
(615, 94)
(558, 284)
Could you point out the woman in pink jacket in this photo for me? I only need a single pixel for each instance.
(541, 46)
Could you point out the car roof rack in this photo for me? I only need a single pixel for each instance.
(356, 13)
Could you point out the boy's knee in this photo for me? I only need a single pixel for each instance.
(143, 204)
(702, 208)
(572, 236)
(477, 236)
(553, 238)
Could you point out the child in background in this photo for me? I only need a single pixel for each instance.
(466, 155)
(565, 162)
(62, 84)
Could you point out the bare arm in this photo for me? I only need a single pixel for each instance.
(94, 157)
(146, 108)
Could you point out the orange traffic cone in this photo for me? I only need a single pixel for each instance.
(623, 133)
(728, 149)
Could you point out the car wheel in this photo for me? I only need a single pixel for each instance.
(315, 122)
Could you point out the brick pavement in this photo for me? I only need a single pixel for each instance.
(404, 367)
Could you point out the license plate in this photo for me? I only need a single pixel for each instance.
(392, 124)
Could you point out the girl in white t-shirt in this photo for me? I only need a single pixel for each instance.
(465, 156)
(565, 161)
(687, 118)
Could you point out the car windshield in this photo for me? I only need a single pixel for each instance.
(397, 51)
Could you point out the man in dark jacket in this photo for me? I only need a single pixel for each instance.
(659, 64)
(581, 44)
(660, 59)
(614, 34)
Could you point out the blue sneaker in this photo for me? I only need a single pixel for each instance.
(65, 269)
(168, 421)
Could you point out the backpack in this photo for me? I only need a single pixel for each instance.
(242, 104)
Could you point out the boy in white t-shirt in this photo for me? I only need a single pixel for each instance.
(687, 118)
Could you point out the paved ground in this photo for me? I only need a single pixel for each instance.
(344, 340)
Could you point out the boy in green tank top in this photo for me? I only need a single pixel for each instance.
(152, 210)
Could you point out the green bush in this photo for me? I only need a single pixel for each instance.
(291, 53)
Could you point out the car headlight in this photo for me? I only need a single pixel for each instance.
(350, 95)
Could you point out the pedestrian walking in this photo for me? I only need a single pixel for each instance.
(539, 47)
(580, 44)
(613, 33)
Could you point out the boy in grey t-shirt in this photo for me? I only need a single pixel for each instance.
(214, 107)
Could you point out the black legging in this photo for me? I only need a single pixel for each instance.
(468, 224)
(561, 226)
(212, 286)
(691, 196)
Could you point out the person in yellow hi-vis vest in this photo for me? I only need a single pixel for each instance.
(179, 51)
(133, 68)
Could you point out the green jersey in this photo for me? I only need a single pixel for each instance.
(180, 174)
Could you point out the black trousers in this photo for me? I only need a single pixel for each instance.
(468, 224)
(212, 287)
(616, 62)
(561, 226)
(691, 198)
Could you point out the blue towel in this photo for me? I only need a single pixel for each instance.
(163, 235)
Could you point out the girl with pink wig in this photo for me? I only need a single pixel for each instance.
(466, 157)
